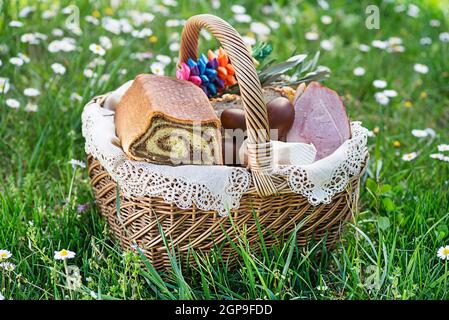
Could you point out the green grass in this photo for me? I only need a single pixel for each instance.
(387, 252)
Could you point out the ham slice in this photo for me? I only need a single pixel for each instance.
(321, 119)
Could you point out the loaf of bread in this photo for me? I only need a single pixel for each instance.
(168, 121)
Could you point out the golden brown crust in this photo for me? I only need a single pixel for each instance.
(150, 96)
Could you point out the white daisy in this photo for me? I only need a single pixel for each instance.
(326, 19)
(359, 71)
(144, 33)
(379, 83)
(381, 98)
(2, 297)
(26, 11)
(48, 14)
(419, 133)
(312, 36)
(260, 29)
(250, 41)
(364, 47)
(13, 103)
(1, 62)
(409, 156)
(64, 254)
(443, 253)
(438, 156)
(5, 254)
(77, 163)
(111, 25)
(434, 23)
(421, 68)
(123, 72)
(16, 61)
(413, 11)
(15, 24)
(97, 49)
(443, 147)
(425, 41)
(92, 20)
(163, 59)
(75, 97)
(174, 47)
(242, 18)
(58, 68)
(157, 68)
(31, 107)
(8, 266)
(327, 44)
(379, 44)
(274, 24)
(89, 73)
(4, 85)
(105, 42)
(57, 32)
(31, 92)
(444, 36)
(390, 93)
(323, 4)
(430, 132)
(238, 9)
(172, 23)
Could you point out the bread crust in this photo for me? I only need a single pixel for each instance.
(153, 96)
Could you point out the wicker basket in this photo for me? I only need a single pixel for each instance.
(269, 199)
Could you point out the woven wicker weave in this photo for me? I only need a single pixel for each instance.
(269, 199)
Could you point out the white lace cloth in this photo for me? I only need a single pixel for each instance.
(217, 188)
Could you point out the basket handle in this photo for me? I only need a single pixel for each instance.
(259, 145)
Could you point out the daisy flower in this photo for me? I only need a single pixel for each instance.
(2, 297)
(260, 29)
(413, 11)
(8, 266)
(390, 93)
(379, 84)
(419, 133)
(381, 98)
(77, 163)
(76, 97)
(31, 92)
(421, 68)
(16, 61)
(97, 49)
(89, 73)
(364, 47)
(5, 254)
(64, 254)
(157, 68)
(443, 253)
(359, 71)
(409, 156)
(312, 36)
(443, 147)
(4, 85)
(13, 103)
(15, 24)
(58, 68)
(425, 41)
(242, 18)
(438, 156)
(444, 36)
(31, 107)
(327, 44)
(105, 42)
(326, 19)
(434, 23)
(238, 9)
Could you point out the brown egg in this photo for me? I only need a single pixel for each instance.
(233, 119)
(280, 117)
